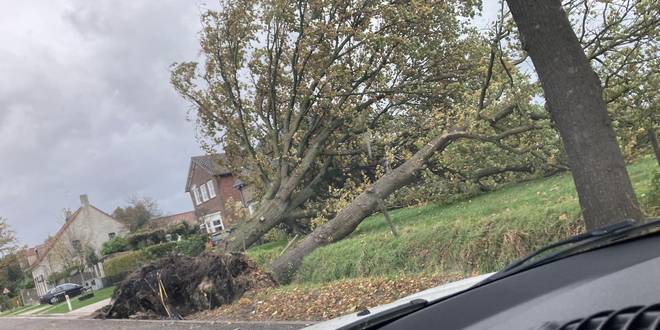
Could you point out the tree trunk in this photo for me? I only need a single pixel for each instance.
(574, 99)
(653, 138)
(268, 215)
(362, 206)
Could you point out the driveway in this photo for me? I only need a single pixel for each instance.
(55, 323)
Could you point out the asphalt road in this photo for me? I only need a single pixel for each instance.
(47, 323)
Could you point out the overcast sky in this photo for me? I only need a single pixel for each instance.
(86, 107)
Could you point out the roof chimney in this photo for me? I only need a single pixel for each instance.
(84, 200)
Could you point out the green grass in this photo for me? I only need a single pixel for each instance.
(75, 303)
(481, 234)
(262, 254)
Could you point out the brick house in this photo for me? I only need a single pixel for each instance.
(212, 187)
(87, 227)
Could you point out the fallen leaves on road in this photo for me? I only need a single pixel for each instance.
(322, 301)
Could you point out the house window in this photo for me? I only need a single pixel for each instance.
(196, 193)
(111, 235)
(213, 223)
(205, 193)
(76, 245)
(211, 188)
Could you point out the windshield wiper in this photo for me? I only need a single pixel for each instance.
(571, 243)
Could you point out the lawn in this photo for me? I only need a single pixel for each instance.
(476, 235)
(75, 303)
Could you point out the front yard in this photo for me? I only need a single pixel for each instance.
(62, 308)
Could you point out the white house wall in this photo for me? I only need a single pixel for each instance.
(92, 227)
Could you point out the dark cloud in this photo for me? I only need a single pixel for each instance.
(86, 107)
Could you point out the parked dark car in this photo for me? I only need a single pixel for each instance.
(56, 294)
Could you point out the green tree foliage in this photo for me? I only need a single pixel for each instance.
(138, 211)
(292, 89)
(117, 244)
(12, 276)
(122, 264)
(620, 38)
(160, 250)
(143, 239)
(7, 237)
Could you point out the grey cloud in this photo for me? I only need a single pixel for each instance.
(86, 107)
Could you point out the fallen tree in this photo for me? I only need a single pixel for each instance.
(176, 286)
(366, 203)
(286, 87)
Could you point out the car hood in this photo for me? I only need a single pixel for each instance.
(431, 294)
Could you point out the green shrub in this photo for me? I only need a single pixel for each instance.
(192, 246)
(158, 251)
(275, 235)
(124, 263)
(182, 229)
(143, 239)
(117, 244)
(28, 283)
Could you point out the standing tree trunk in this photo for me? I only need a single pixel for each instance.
(574, 99)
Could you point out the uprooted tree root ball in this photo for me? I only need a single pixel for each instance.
(179, 285)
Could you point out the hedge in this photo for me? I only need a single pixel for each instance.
(141, 240)
(117, 244)
(124, 263)
(159, 250)
(182, 229)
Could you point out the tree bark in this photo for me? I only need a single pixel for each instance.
(286, 200)
(268, 215)
(574, 99)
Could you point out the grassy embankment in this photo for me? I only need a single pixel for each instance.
(477, 235)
